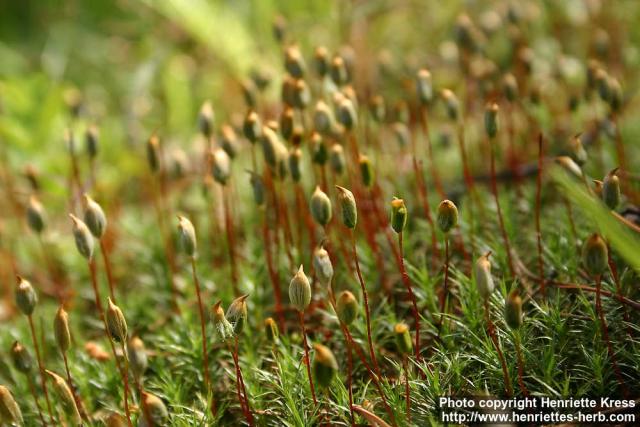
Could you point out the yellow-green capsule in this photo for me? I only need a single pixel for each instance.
(116, 323)
(322, 264)
(403, 338)
(300, 290)
(220, 166)
(321, 61)
(338, 71)
(271, 330)
(347, 307)
(399, 215)
(223, 328)
(402, 134)
(36, 216)
(483, 277)
(237, 314)
(65, 396)
(611, 189)
(348, 207)
(287, 123)
(320, 206)
(615, 97)
(187, 236)
(595, 255)
(318, 149)
(205, 119)
(252, 127)
(257, 185)
(294, 62)
(513, 310)
(346, 114)
(153, 153)
(323, 120)
(178, 164)
(510, 87)
(325, 365)
(83, 237)
(336, 159)
(270, 144)
(249, 92)
(26, 297)
(377, 108)
(603, 84)
(94, 217)
(155, 409)
(577, 151)
(21, 358)
(301, 95)
(9, 409)
(366, 171)
(295, 163)
(138, 360)
(451, 103)
(61, 330)
(491, 119)
(447, 215)
(229, 140)
(424, 86)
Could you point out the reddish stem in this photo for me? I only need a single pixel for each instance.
(424, 200)
(523, 388)
(241, 379)
(494, 190)
(76, 398)
(96, 292)
(367, 311)
(32, 389)
(273, 274)
(243, 405)
(36, 346)
(228, 225)
(406, 387)
(306, 357)
(494, 338)
(537, 215)
(350, 384)
(107, 267)
(605, 336)
(616, 281)
(414, 303)
(374, 378)
(432, 164)
(203, 332)
(159, 203)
